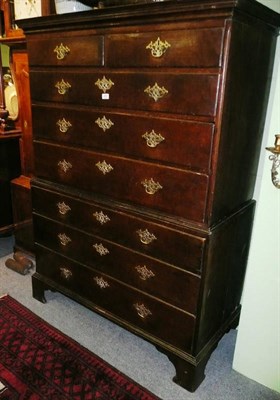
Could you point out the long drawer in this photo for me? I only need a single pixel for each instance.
(113, 298)
(153, 239)
(177, 287)
(174, 191)
(178, 48)
(180, 93)
(144, 136)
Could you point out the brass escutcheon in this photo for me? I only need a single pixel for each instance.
(104, 123)
(101, 282)
(101, 217)
(156, 92)
(62, 86)
(145, 236)
(65, 273)
(144, 272)
(142, 310)
(63, 125)
(61, 51)
(104, 167)
(152, 138)
(151, 187)
(64, 239)
(158, 48)
(63, 208)
(101, 250)
(104, 84)
(64, 165)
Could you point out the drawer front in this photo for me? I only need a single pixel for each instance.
(154, 138)
(181, 48)
(183, 250)
(66, 51)
(131, 306)
(171, 190)
(183, 93)
(146, 274)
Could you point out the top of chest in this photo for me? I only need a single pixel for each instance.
(144, 13)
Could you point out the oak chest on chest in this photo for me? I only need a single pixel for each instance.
(147, 125)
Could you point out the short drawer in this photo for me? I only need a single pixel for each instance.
(175, 191)
(66, 51)
(178, 48)
(166, 282)
(175, 141)
(117, 300)
(184, 249)
(173, 92)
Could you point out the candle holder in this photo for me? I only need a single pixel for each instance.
(275, 158)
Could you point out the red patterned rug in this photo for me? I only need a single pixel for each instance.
(39, 362)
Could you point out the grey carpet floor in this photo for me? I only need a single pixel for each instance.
(133, 356)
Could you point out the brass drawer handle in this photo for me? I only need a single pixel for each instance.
(156, 92)
(145, 236)
(158, 48)
(64, 239)
(151, 187)
(63, 208)
(64, 165)
(152, 138)
(104, 123)
(142, 310)
(104, 84)
(62, 87)
(63, 125)
(144, 272)
(61, 51)
(66, 273)
(104, 167)
(101, 217)
(101, 250)
(101, 282)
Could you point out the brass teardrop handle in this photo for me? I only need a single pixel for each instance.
(64, 239)
(156, 92)
(101, 217)
(65, 273)
(61, 51)
(62, 87)
(64, 165)
(152, 138)
(104, 167)
(158, 47)
(151, 187)
(104, 84)
(63, 208)
(104, 123)
(101, 282)
(144, 272)
(142, 310)
(145, 236)
(63, 125)
(100, 249)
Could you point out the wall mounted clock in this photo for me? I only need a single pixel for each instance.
(27, 9)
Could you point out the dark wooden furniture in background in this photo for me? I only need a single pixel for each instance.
(147, 124)
(20, 198)
(20, 187)
(9, 169)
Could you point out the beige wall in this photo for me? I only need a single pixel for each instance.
(257, 353)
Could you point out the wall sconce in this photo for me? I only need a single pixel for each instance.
(275, 158)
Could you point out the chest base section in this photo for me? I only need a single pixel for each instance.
(186, 331)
